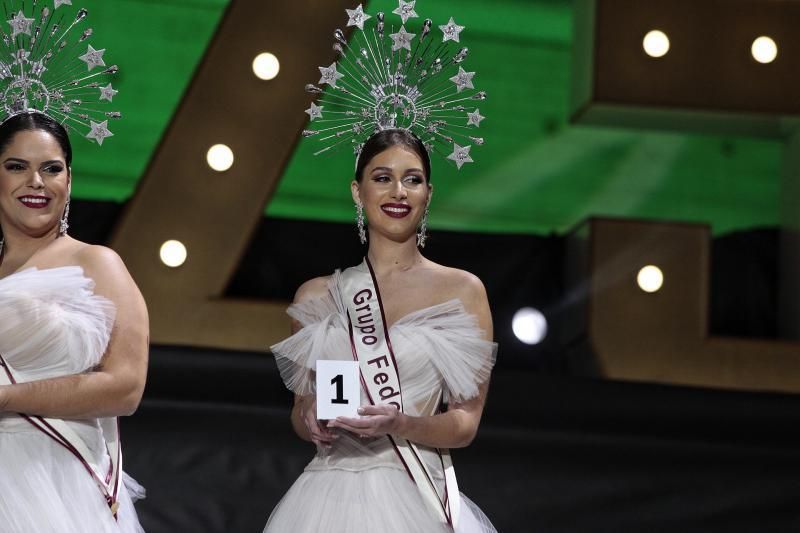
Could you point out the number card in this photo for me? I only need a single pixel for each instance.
(338, 389)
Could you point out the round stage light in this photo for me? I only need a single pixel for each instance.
(529, 325)
(173, 253)
(764, 50)
(650, 278)
(656, 43)
(220, 157)
(266, 66)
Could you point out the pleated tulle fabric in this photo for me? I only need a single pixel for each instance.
(441, 347)
(52, 324)
(359, 485)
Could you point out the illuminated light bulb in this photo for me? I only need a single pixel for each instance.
(529, 325)
(266, 66)
(656, 43)
(173, 253)
(650, 278)
(220, 157)
(764, 50)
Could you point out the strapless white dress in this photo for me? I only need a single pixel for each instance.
(52, 324)
(359, 485)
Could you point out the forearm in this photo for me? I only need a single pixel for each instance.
(297, 419)
(452, 429)
(89, 395)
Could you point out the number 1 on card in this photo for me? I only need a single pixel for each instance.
(338, 389)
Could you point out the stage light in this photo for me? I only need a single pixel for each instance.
(529, 325)
(266, 66)
(656, 43)
(650, 278)
(220, 157)
(764, 50)
(173, 253)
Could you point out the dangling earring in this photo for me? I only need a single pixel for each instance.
(62, 230)
(422, 234)
(362, 233)
(2, 245)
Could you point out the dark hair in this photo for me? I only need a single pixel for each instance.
(384, 140)
(35, 121)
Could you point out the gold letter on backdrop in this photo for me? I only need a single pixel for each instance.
(214, 214)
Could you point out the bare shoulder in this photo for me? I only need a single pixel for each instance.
(106, 268)
(100, 259)
(312, 289)
(467, 287)
(460, 284)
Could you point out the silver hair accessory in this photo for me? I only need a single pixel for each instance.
(390, 78)
(422, 234)
(47, 66)
(360, 224)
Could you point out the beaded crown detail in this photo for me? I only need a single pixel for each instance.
(389, 78)
(47, 66)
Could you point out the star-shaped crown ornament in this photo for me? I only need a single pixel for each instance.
(392, 76)
(47, 66)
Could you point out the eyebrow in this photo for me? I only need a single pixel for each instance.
(387, 169)
(20, 160)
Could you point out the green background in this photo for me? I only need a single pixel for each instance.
(537, 173)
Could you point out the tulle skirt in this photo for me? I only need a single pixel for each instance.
(45, 489)
(368, 501)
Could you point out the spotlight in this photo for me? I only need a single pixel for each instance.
(656, 43)
(173, 253)
(764, 50)
(529, 325)
(266, 66)
(650, 278)
(220, 157)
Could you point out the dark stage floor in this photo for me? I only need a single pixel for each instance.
(213, 445)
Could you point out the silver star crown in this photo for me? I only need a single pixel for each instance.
(388, 76)
(47, 65)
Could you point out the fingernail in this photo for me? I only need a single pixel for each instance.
(361, 410)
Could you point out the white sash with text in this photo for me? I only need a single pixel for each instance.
(380, 377)
(108, 482)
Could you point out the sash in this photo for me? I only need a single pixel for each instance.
(109, 483)
(380, 378)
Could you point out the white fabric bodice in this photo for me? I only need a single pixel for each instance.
(52, 324)
(440, 352)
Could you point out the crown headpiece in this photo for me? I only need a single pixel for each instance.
(389, 78)
(46, 65)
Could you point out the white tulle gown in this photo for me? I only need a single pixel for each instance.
(51, 324)
(359, 485)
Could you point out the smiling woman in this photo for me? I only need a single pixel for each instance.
(35, 174)
(422, 332)
(73, 348)
(393, 179)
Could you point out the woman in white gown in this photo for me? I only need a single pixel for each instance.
(440, 330)
(73, 341)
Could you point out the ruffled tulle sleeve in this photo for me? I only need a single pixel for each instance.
(455, 346)
(52, 323)
(323, 336)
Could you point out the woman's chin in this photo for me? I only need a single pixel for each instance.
(399, 237)
(37, 228)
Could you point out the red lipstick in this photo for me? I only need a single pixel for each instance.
(396, 210)
(35, 202)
